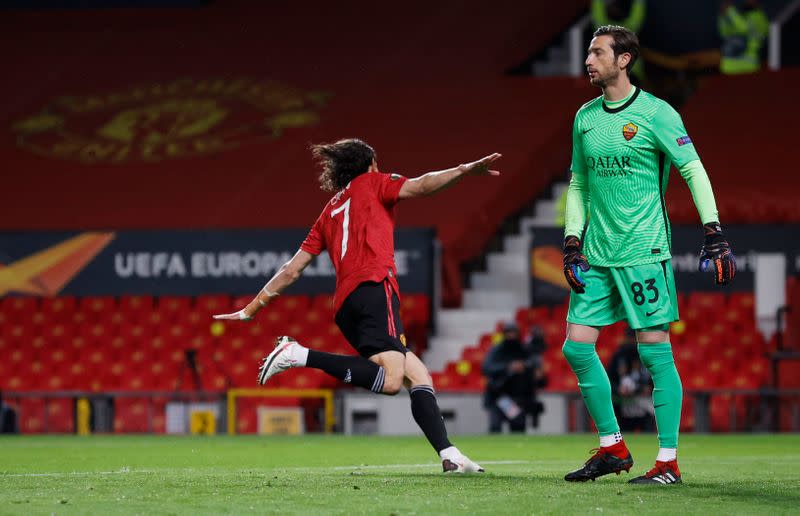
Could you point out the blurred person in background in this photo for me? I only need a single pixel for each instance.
(743, 32)
(630, 387)
(513, 370)
(8, 418)
(626, 13)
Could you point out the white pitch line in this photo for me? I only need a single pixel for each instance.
(307, 468)
(78, 473)
(428, 465)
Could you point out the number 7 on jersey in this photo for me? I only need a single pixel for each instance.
(346, 209)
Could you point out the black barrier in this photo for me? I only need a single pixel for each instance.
(190, 262)
(549, 287)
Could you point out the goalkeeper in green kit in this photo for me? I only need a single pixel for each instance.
(618, 265)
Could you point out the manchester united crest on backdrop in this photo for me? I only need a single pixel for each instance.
(153, 122)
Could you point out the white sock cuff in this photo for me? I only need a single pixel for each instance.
(667, 454)
(610, 440)
(301, 355)
(449, 453)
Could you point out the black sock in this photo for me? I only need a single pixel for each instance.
(427, 415)
(350, 369)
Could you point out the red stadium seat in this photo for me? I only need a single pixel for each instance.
(485, 342)
(21, 305)
(173, 308)
(98, 308)
(197, 320)
(415, 309)
(59, 309)
(79, 318)
(744, 301)
(474, 355)
(297, 303)
(323, 302)
(712, 301)
(154, 319)
(242, 375)
(217, 304)
(134, 307)
(17, 332)
(215, 381)
(302, 378)
(135, 332)
(442, 382)
(79, 376)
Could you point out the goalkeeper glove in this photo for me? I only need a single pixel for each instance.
(717, 250)
(574, 263)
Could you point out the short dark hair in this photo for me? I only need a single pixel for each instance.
(624, 40)
(342, 162)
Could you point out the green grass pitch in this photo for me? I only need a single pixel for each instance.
(731, 474)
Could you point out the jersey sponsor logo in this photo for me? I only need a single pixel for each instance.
(683, 140)
(609, 166)
(629, 130)
(175, 119)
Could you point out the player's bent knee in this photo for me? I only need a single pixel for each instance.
(419, 377)
(582, 333)
(392, 386)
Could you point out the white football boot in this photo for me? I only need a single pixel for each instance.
(288, 353)
(459, 463)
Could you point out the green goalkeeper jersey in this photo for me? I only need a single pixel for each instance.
(621, 157)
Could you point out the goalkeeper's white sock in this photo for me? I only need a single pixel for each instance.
(667, 454)
(610, 439)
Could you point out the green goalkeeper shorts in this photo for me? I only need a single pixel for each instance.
(644, 295)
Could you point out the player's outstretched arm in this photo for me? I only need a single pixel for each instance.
(432, 182)
(286, 275)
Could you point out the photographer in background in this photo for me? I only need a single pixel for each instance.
(513, 370)
(631, 387)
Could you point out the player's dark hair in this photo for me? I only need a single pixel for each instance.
(341, 162)
(624, 40)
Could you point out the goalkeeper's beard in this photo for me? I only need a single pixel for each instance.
(603, 82)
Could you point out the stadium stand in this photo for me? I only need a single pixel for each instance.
(744, 150)
(464, 107)
(143, 349)
(137, 344)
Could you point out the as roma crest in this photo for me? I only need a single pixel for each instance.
(629, 130)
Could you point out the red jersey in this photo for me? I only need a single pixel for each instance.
(357, 229)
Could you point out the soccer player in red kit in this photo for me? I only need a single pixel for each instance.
(356, 227)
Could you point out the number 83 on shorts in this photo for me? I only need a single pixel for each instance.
(644, 295)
